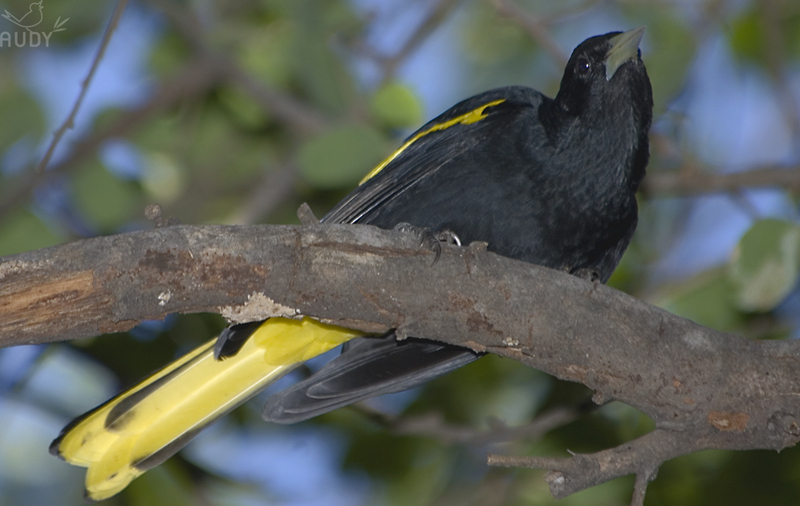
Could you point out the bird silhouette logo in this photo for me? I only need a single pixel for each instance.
(30, 19)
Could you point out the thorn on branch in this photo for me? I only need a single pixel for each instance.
(599, 398)
(306, 215)
(477, 247)
(401, 332)
(153, 213)
(787, 423)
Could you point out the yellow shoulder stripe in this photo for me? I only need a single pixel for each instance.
(469, 118)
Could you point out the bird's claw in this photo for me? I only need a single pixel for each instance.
(430, 240)
(587, 273)
(449, 237)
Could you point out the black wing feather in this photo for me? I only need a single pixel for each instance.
(369, 367)
(424, 157)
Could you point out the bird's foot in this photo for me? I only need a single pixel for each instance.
(430, 240)
(587, 273)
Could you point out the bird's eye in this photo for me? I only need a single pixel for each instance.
(583, 66)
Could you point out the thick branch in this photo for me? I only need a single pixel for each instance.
(703, 388)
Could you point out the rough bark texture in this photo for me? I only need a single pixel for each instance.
(703, 388)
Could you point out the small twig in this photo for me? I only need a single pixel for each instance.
(774, 37)
(686, 183)
(304, 119)
(433, 426)
(196, 79)
(740, 200)
(641, 457)
(435, 17)
(275, 187)
(69, 123)
(643, 478)
(535, 28)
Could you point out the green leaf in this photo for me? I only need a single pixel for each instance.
(341, 157)
(243, 108)
(22, 116)
(765, 265)
(424, 480)
(706, 299)
(105, 199)
(490, 39)
(166, 485)
(396, 106)
(23, 231)
(747, 35)
(317, 70)
(266, 51)
(163, 178)
(169, 52)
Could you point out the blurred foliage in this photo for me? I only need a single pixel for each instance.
(228, 150)
(340, 156)
(750, 35)
(395, 105)
(765, 264)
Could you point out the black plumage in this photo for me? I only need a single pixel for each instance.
(547, 181)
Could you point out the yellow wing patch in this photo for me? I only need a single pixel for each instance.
(469, 118)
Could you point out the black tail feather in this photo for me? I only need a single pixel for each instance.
(370, 366)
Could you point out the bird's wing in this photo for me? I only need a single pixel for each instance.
(367, 368)
(453, 133)
(374, 366)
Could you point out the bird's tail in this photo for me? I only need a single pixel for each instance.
(11, 17)
(143, 426)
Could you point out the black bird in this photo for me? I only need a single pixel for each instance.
(547, 181)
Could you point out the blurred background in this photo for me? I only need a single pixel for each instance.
(238, 111)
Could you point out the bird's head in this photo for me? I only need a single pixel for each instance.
(605, 97)
(606, 69)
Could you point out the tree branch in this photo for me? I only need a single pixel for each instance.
(435, 16)
(641, 457)
(432, 425)
(703, 388)
(694, 182)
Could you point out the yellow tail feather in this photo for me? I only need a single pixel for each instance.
(145, 425)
